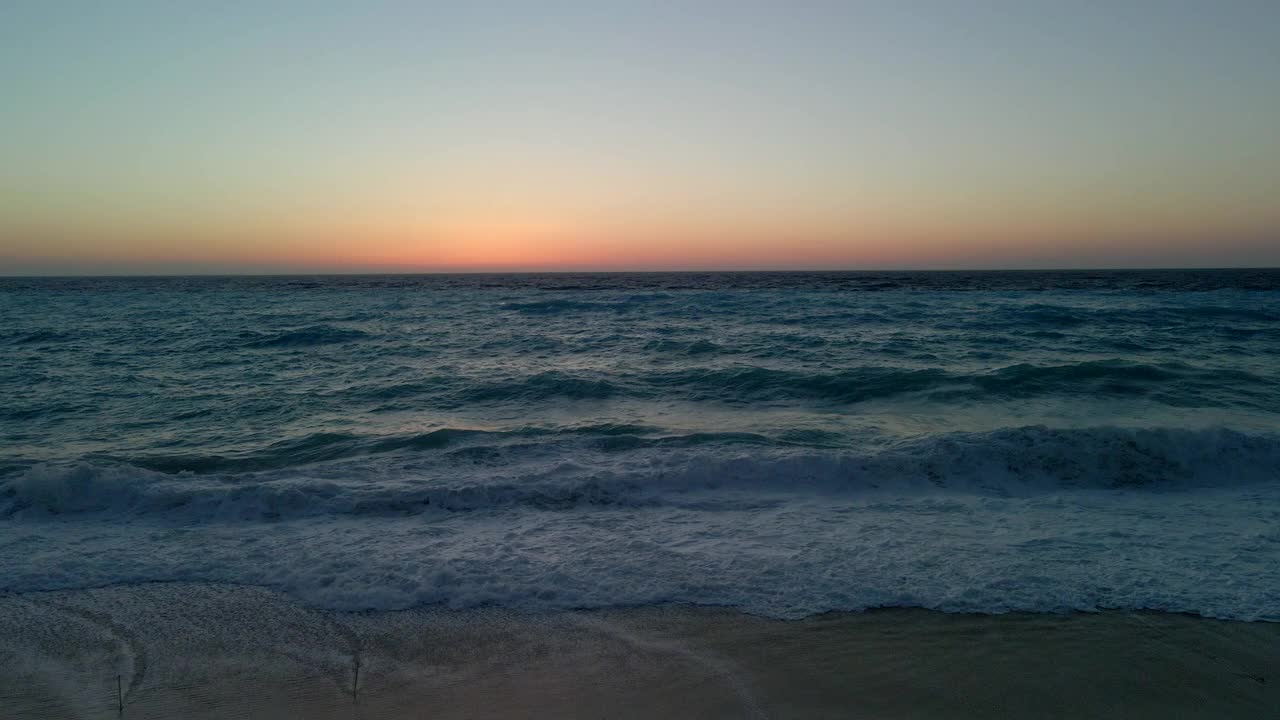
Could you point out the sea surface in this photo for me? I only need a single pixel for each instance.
(780, 443)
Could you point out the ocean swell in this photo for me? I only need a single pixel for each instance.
(306, 337)
(1176, 384)
(630, 470)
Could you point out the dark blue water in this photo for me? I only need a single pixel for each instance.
(782, 442)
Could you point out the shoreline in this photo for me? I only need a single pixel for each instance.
(200, 650)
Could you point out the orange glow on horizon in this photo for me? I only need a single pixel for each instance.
(550, 243)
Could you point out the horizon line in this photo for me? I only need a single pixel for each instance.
(404, 273)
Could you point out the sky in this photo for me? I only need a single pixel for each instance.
(176, 137)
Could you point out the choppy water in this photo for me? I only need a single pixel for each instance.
(786, 443)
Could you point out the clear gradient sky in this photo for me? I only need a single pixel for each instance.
(240, 136)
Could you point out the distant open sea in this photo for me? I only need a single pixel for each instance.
(780, 443)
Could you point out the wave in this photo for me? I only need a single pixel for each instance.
(330, 446)
(541, 386)
(740, 384)
(37, 337)
(1224, 313)
(306, 337)
(551, 307)
(1108, 376)
(730, 384)
(305, 450)
(1044, 314)
(684, 347)
(1028, 317)
(716, 472)
(1171, 383)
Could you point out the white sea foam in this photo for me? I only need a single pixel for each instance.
(1020, 519)
(1008, 462)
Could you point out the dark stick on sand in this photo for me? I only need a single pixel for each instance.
(355, 683)
(119, 696)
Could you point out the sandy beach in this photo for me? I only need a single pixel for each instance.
(208, 651)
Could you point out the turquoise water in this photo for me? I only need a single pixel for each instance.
(782, 442)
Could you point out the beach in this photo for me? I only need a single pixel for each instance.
(206, 651)
(868, 360)
(649, 495)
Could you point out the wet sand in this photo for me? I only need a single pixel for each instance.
(204, 651)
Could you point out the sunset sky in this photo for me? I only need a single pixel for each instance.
(140, 137)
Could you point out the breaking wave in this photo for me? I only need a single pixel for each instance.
(707, 469)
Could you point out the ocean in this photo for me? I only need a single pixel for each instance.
(783, 444)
